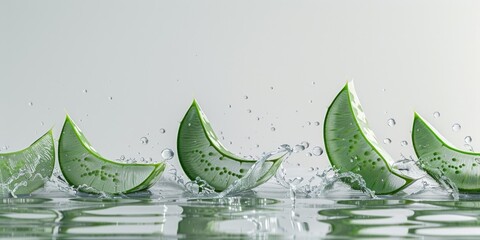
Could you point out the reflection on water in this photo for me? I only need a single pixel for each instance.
(268, 213)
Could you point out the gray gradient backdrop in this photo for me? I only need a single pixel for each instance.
(154, 57)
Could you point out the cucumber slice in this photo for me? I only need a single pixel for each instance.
(352, 146)
(25, 171)
(437, 157)
(202, 155)
(86, 169)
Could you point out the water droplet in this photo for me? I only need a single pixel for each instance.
(404, 143)
(245, 97)
(273, 129)
(144, 140)
(249, 110)
(298, 148)
(468, 139)
(167, 154)
(85, 91)
(436, 114)
(391, 122)
(30, 104)
(162, 130)
(305, 144)
(317, 151)
(468, 147)
(317, 123)
(456, 127)
(387, 140)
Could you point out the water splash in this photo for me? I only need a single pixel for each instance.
(438, 182)
(320, 183)
(254, 174)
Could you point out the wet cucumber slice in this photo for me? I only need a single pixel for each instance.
(351, 145)
(440, 158)
(202, 155)
(25, 171)
(83, 167)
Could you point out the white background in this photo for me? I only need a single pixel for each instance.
(154, 57)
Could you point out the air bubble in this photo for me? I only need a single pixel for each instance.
(317, 151)
(387, 140)
(468, 139)
(391, 122)
(249, 110)
(436, 114)
(111, 98)
(317, 123)
(162, 130)
(456, 127)
(305, 144)
(477, 160)
(30, 104)
(85, 90)
(273, 129)
(245, 97)
(167, 154)
(404, 143)
(144, 140)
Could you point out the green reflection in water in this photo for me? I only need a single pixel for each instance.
(236, 217)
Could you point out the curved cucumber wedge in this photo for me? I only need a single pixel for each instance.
(202, 155)
(83, 167)
(25, 171)
(352, 146)
(440, 158)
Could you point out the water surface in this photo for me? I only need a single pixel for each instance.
(266, 212)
